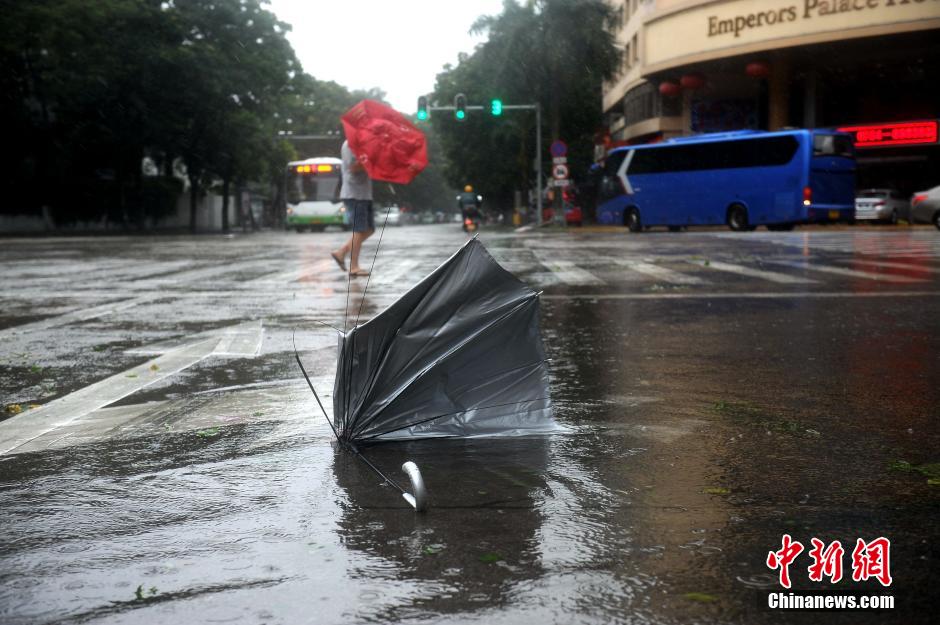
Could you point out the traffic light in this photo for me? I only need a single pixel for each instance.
(422, 108)
(460, 106)
(496, 106)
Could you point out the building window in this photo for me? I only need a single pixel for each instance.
(627, 56)
(634, 50)
(645, 102)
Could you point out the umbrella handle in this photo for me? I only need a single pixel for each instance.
(418, 501)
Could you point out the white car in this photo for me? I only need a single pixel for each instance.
(887, 205)
(925, 207)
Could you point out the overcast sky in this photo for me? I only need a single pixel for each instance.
(398, 46)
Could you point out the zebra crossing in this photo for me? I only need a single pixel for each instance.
(552, 271)
(823, 262)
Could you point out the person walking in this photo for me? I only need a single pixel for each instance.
(356, 195)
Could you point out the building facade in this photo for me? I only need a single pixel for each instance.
(871, 67)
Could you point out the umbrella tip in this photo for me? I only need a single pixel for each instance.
(419, 500)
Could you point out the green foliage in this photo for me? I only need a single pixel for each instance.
(90, 89)
(554, 52)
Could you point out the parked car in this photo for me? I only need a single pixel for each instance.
(925, 207)
(887, 205)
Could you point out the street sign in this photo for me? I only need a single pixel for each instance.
(559, 182)
(558, 148)
(559, 160)
(560, 172)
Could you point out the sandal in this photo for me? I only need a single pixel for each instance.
(339, 261)
(359, 274)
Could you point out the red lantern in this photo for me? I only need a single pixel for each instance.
(757, 69)
(669, 89)
(692, 81)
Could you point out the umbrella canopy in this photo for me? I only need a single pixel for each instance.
(460, 354)
(388, 145)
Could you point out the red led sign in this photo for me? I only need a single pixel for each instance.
(905, 133)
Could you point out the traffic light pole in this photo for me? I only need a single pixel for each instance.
(537, 107)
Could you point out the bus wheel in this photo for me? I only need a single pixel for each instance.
(737, 218)
(936, 219)
(674, 228)
(633, 220)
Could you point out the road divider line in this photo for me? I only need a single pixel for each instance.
(660, 273)
(911, 266)
(772, 276)
(767, 295)
(841, 271)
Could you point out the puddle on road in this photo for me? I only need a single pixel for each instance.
(686, 462)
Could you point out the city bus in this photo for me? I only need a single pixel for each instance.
(313, 187)
(741, 179)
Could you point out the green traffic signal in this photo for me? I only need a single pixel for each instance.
(460, 106)
(496, 107)
(422, 114)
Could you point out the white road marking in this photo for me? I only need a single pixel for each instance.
(76, 315)
(45, 421)
(660, 273)
(772, 276)
(384, 275)
(912, 266)
(841, 271)
(567, 271)
(241, 340)
(32, 424)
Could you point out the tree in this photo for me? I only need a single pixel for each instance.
(554, 52)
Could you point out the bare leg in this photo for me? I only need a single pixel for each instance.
(358, 238)
(344, 250)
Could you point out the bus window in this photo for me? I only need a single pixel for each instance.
(833, 145)
(609, 186)
(314, 188)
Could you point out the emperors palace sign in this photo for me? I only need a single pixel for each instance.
(686, 32)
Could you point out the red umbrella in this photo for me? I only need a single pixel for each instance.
(385, 142)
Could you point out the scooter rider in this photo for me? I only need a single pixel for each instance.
(469, 203)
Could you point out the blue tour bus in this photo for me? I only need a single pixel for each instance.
(742, 178)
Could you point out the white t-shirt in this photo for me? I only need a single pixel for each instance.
(356, 184)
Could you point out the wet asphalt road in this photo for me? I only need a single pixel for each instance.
(720, 390)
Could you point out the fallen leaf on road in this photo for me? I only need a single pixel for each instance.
(701, 597)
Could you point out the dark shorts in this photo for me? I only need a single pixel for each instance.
(361, 217)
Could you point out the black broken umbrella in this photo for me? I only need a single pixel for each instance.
(458, 355)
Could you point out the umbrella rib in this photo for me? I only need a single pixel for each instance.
(362, 300)
(452, 351)
(450, 414)
(310, 384)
